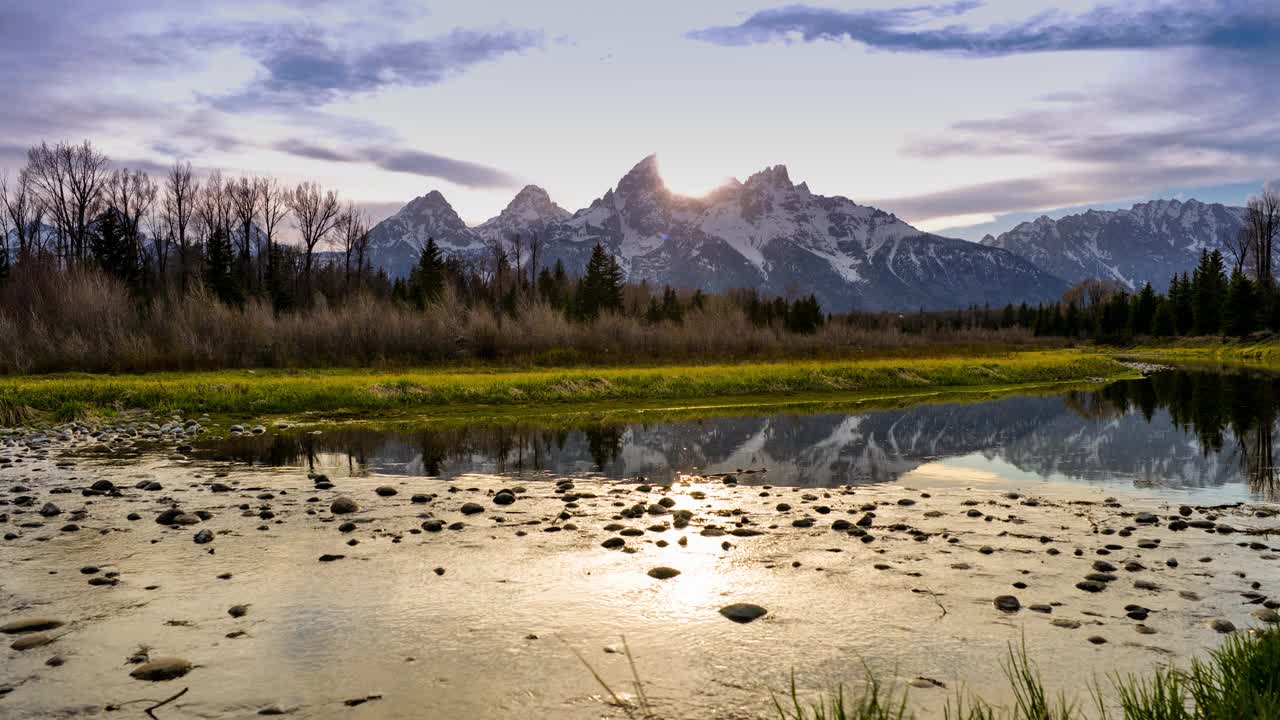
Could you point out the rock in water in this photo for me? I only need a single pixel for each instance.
(664, 573)
(238, 611)
(162, 669)
(343, 506)
(36, 624)
(386, 491)
(203, 537)
(31, 641)
(49, 510)
(1008, 603)
(472, 508)
(743, 612)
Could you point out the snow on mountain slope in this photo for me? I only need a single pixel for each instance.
(765, 233)
(1146, 243)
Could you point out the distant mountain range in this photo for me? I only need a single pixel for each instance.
(766, 233)
(1146, 243)
(781, 239)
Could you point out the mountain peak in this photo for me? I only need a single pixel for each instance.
(775, 176)
(432, 200)
(642, 178)
(532, 206)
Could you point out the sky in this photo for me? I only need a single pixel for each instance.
(963, 115)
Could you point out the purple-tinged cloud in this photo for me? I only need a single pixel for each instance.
(1250, 25)
(414, 162)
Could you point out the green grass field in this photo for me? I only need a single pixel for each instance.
(361, 393)
(1261, 353)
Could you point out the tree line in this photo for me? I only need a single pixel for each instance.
(165, 237)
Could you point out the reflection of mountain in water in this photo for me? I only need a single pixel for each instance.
(1175, 429)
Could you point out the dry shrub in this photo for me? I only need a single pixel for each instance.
(54, 320)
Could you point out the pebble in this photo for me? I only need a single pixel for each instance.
(162, 669)
(1007, 603)
(343, 506)
(743, 612)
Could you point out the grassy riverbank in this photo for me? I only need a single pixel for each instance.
(1263, 353)
(1238, 681)
(360, 392)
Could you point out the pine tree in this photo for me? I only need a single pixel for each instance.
(4, 259)
(1165, 323)
(114, 250)
(672, 311)
(1183, 304)
(600, 289)
(426, 281)
(1208, 290)
(1143, 313)
(218, 275)
(1240, 307)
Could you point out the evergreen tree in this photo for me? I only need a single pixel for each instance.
(600, 289)
(1183, 304)
(277, 282)
(672, 311)
(1240, 308)
(805, 316)
(1208, 290)
(1071, 324)
(1165, 323)
(114, 250)
(426, 281)
(4, 258)
(1143, 313)
(218, 275)
(699, 300)
(653, 315)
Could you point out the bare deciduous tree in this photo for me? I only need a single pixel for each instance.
(353, 233)
(315, 212)
(274, 203)
(245, 195)
(1261, 230)
(181, 192)
(69, 181)
(24, 214)
(132, 193)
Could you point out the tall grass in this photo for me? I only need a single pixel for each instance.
(1238, 681)
(336, 390)
(81, 320)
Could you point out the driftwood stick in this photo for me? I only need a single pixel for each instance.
(162, 703)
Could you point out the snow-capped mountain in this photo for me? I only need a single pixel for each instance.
(394, 243)
(765, 233)
(530, 212)
(1146, 243)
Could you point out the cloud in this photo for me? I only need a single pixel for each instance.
(415, 162)
(1067, 189)
(1210, 118)
(1249, 25)
(302, 66)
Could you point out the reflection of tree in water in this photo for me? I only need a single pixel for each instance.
(1214, 406)
(605, 444)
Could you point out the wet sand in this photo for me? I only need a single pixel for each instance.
(420, 609)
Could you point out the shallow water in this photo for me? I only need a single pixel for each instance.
(1203, 435)
(524, 589)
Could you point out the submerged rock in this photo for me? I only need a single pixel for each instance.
(1007, 603)
(36, 624)
(343, 506)
(28, 642)
(663, 573)
(743, 612)
(162, 669)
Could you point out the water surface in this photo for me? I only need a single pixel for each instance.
(1201, 433)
